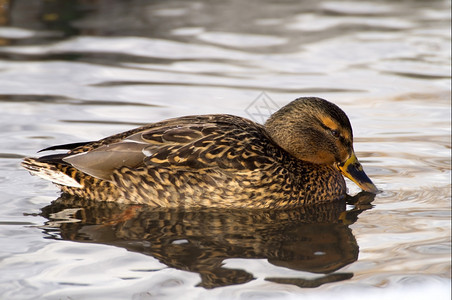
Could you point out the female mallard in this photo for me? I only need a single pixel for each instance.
(295, 159)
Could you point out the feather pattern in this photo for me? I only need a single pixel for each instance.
(202, 161)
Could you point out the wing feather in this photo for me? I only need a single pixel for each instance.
(222, 142)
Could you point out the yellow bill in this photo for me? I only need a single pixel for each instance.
(354, 171)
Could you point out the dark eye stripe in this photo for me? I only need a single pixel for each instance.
(337, 134)
(334, 132)
(324, 126)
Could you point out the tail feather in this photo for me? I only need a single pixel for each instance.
(47, 169)
(65, 146)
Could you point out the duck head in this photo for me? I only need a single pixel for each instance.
(315, 130)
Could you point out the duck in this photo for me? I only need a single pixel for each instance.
(298, 157)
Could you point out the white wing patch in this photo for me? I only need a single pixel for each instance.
(147, 152)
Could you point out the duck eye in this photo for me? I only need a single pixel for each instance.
(335, 133)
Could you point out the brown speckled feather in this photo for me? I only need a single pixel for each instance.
(214, 161)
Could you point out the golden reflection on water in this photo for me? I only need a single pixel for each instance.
(315, 239)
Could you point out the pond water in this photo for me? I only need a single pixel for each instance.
(75, 71)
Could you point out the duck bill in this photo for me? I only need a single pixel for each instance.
(353, 170)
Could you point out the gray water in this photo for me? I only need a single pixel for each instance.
(75, 71)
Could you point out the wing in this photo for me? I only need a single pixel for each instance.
(229, 143)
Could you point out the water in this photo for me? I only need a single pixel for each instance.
(82, 70)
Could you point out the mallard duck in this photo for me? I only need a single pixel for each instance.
(296, 158)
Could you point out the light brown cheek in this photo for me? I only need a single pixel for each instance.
(322, 157)
(343, 152)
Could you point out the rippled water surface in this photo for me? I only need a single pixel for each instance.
(73, 71)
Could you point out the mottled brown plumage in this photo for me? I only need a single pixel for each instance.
(295, 159)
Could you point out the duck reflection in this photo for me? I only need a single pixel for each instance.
(314, 239)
